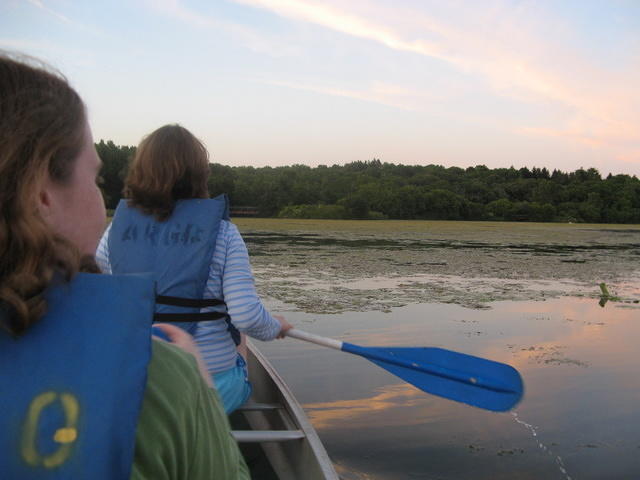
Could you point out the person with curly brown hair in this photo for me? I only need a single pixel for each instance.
(85, 392)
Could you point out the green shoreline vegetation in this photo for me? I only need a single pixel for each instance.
(376, 190)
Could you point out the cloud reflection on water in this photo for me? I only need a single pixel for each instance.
(554, 340)
(362, 411)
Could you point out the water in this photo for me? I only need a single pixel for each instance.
(578, 361)
(579, 418)
(534, 434)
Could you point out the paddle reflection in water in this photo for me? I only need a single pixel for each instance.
(579, 362)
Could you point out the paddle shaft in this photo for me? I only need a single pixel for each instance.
(317, 339)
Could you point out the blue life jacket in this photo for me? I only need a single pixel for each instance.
(177, 251)
(72, 385)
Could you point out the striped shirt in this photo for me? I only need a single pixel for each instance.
(230, 279)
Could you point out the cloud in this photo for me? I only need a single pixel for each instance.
(378, 92)
(384, 399)
(574, 135)
(255, 41)
(520, 51)
(63, 18)
(631, 156)
(342, 21)
(42, 6)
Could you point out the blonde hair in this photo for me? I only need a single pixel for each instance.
(41, 134)
(170, 164)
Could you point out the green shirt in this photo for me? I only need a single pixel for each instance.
(183, 432)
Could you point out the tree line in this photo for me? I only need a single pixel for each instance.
(376, 190)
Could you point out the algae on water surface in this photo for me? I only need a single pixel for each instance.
(324, 266)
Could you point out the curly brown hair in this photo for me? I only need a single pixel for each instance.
(41, 134)
(170, 164)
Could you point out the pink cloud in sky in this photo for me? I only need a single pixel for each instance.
(518, 51)
(382, 93)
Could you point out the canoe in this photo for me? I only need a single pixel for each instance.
(273, 431)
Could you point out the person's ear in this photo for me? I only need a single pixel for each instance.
(45, 199)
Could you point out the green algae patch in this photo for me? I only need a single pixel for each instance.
(334, 266)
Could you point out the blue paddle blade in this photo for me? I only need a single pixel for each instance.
(464, 378)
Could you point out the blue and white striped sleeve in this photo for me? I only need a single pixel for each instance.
(102, 253)
(245, 308)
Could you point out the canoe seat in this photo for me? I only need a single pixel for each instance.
(253, 406)
(256, 436)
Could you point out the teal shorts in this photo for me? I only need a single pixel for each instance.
(233, 385)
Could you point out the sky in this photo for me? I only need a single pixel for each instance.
(544, 83)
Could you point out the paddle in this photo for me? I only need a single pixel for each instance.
(456, 376)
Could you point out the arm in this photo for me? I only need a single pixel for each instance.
(184, 341)
(247, 312)
(183, 433)
(102, 253)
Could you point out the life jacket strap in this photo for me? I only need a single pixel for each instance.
(197, 317)
(188, 302)
(189, 317)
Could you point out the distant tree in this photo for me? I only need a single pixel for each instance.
(500, 209)
(115, 161)
(373, 189)
(221, 180)
(444, 205)
(357, 206)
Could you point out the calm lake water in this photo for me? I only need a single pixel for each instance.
(527, 295)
